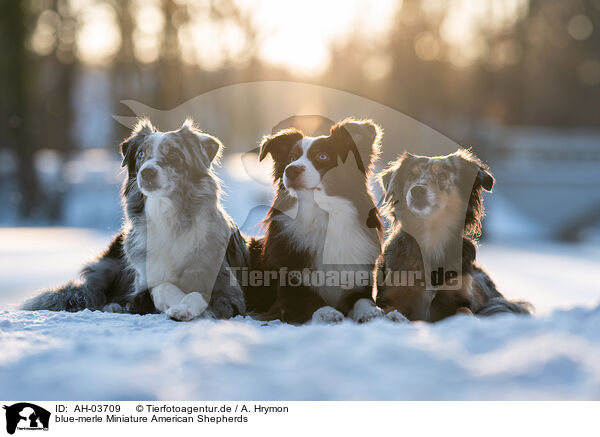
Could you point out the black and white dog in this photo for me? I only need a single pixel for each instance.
(323, 232)
(177, 244)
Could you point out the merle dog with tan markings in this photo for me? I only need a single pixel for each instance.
(177, 242)
(435, 207)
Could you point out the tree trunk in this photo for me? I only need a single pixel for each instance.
(14, 72)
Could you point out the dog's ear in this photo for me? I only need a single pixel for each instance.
(385, 179)
(130, 145)
(393, 176)
(279, 144)
(485, 178)
(361, 135)
(475, 177)
(213, 148)
(210, 146)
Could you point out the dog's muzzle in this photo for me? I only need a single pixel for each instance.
(419, 200)
(149, 179)
(418, 197)
(293, 176)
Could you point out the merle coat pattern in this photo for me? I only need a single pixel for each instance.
(188, 209)
(435, 208)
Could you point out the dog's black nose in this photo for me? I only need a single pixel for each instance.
(293, 171)
(149, 174)
(418, 195)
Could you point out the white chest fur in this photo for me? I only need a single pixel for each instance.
(331, 230)
(178, 253)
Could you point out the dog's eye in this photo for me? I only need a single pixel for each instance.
(443, 177)
(141, 154)
(323, 156)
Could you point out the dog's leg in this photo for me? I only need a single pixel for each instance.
(227, 302)
(190, 307)
(365, 310)
(327, 314)
(227, 298)
(166, 295)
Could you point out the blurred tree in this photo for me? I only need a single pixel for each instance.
(126, 74)
(51, 93)
(169, 67)
(15, 75)
(542, 67)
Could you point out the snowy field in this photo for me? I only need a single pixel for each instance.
(94, 355)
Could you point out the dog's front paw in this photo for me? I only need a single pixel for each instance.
(327, 315)
(227, 303)
(365, 310)
(464, 311)
(166, 295)
(114, 307)
(190, 307)
(370, 314)
(180, 312)
(396, 316)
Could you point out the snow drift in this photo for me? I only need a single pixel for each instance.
(105, 356)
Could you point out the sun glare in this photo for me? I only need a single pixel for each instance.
(98, 38)
(295, 36)
(299, 36)
(149, 24)
(467, 19)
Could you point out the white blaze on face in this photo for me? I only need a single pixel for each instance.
(420, 198)
(310, 178)
(424, 196)
(161, 185)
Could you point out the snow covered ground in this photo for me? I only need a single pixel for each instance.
(93, 355)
